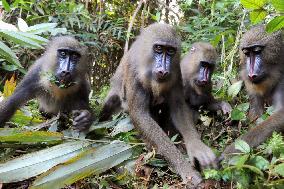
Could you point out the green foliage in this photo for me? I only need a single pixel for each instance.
(235, 88)
(239, 112)
(22, 36)
(259, 11)
(254, 169)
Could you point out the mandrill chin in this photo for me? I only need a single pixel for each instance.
(58, 79)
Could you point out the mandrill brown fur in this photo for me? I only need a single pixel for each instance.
(58, 79)
(148, 84)
(197, 68)
(262, 60)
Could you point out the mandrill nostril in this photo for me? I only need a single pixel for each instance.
(162, 74)
(65, 74)
(252, 77)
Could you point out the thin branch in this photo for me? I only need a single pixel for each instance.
(169, 8)
(131, 24)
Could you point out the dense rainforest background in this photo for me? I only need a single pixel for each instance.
(112, 155)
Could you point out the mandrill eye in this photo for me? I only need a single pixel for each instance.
(171, 51)
(75, 57)
(62, 53)
(257, 50)
(246, 52)
(158, 48)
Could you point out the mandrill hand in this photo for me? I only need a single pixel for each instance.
(82, 119)
(199, 151)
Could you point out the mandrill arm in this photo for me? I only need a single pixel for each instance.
(24, 92)
(138, 101)
(182, 119)
(261, 132)
(82, 114)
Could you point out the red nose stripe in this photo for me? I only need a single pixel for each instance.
(205, 74)
(252, 62)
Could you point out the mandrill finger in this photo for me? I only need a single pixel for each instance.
(81, 126)
(76, 113)
(83, 114)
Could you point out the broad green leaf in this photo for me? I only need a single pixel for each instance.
(9, 68)
(22, 119)
(22, 136)
(40, 28)
(237, 115)
(243, 107)
(93, 161)
(279, 169)
(253, 4)
(20, 38)
(235, 88)
(257, 15)
(276, 24)
(9, 55)
(6, 5)
(242, 146)
(259, 162)
(254, 169)
(22, 25)
(242, 160)
(278, 5)
(211, 174)
(35, 163)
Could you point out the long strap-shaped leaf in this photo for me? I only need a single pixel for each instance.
(93, 161)
(36, 163)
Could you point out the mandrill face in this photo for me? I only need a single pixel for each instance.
(67, 60)
(163, 58)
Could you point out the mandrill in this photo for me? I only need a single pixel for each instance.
(58, 79)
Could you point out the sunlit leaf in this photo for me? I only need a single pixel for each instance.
(93, 161)
(243, 107)
(9, 86)
(20, 38)
(22, 25)
(242, 160)
(257, 15)
(242, 146)
(278, 5)
(40, 28)
(22, 119)
(6, 26)
(253, 4)
(35, 163)
(276, 24)
(22, 136)
(235, 88)
(279, 169)
(6, 5)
